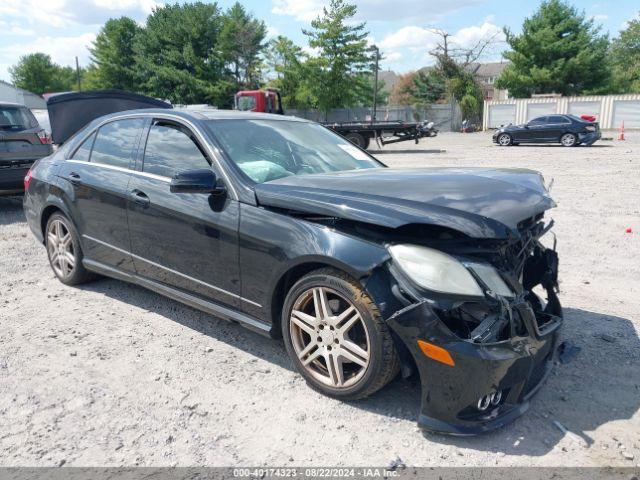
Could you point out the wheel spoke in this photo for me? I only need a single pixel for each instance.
(313, 344)
(66, 241)
(321, 303)
(344, 315)
(334, 366)
(354, 353)
(70, 259)
(315, 354)
(304, 321)
(52, 240)
(350, 323)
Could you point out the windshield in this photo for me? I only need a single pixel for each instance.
(15, 118)
(270, 149)
(245, 102)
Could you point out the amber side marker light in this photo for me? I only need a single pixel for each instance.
(439, 354)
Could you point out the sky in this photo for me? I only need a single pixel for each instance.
(401, 28)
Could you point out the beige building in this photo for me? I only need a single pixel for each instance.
(487, 74)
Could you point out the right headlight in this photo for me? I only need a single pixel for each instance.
(434, 270)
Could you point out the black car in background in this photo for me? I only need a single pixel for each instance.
(568, 130)
(289, 229)
(22, 142)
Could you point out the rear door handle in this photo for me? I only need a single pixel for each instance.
(140, 198)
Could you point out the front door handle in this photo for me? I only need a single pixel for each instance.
(74, 177)
(140, 198)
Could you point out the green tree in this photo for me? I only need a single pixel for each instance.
(625, 59)
(427, 87)
(241, 41)
(336, 75)
(285, 62)
(558, 51)
(112, 55)
(37, 73)
(179, 58)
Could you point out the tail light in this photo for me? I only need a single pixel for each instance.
(590, 128)
(27, 180)
(44, 137)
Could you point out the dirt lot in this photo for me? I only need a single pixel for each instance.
(111, 374)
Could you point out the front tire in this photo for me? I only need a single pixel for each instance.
(64, 251)
(336, 336)
(569, 140)
(504, 140)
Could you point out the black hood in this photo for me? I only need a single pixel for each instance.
(480, 203)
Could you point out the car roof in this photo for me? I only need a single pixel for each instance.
(11, 104)
(202, 114)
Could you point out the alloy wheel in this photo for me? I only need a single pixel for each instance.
(504, 140)
(568, 140)
(61, 249)
(329, 337)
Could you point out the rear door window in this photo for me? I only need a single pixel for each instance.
(538, 121)
(558, 119)
(116, 142)
(84, 150)
(171, 149)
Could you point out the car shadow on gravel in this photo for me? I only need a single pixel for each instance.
(599, 385)
(11, 210)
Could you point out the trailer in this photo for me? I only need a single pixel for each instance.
(358, 133)
(383, 133)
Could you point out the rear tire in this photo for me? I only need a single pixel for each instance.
(64, 251)
(337, 338)
(357, 139)
(569, 140)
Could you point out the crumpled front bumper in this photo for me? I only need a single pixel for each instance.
(450, 394)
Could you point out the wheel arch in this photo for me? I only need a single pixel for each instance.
(295, 272)
(50, 208)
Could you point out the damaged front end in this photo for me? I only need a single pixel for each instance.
(482, 357)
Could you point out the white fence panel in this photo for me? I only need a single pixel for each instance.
(610, 110)
(578, 108)
(627, 111)
(540, 109)
(501, 115)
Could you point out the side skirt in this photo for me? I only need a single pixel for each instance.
(207, 306)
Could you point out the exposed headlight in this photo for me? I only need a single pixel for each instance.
(491, 278)
(434, 270)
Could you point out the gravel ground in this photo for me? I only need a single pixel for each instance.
(112, 374)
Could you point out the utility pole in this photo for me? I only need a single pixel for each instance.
(78, 75)
(375, 84)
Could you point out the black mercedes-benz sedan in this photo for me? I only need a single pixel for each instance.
(567, 130)
(283, 226)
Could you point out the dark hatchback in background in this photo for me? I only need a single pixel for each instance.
(22, 142)
(285, 227)
(567, 130)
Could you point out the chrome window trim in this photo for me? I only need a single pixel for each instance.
(213, 153)
(122, 169)
(88, 237)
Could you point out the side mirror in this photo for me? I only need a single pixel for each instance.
(196, 181)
